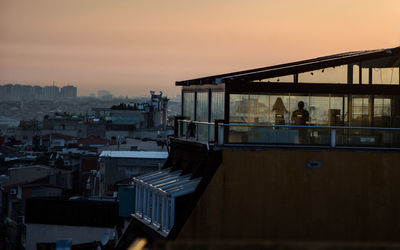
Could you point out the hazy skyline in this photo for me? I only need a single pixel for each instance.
(131, 47)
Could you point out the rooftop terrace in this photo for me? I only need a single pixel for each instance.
(348, 100)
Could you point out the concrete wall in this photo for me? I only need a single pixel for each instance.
(26, 136)
(273, 195)
(37, 233)
(23, 174)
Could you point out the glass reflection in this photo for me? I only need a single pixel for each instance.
(202, 107)
(385, 75)
(188, 105)
(217, 106)
(360, 111)
(202, 115)
(324, 110)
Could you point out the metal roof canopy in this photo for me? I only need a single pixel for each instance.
(170, 183)
(135, 154)
(388, 56)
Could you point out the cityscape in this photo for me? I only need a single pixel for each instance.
(199, 125)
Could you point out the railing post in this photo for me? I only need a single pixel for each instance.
(153, 207)
(221, 134)
(178, 126)
(197, 131)
(216, 129)
(208, 132)
(163, 211)
(172, 214)
(333, 138)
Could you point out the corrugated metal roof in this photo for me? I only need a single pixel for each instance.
(135, 154)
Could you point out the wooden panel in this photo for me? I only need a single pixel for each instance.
(273, 195)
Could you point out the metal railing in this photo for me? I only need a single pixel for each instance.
(331, 136)
(289, 135)
(200, 131)
(155, 208)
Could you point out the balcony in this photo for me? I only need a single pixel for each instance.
(234, 134)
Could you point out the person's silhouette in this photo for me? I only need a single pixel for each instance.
(300, 116)
(279, 110)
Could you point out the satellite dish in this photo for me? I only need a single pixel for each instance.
(106, 237)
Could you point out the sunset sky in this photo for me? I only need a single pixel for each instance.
(130, 47)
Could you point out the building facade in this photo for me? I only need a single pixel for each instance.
(303, 151)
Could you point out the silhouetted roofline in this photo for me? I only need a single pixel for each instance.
(293, 67)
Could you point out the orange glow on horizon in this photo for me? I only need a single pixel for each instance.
(130, 47)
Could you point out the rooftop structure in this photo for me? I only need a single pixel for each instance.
(82, 221)
(353, 91)
(117, 166)
(300, 151)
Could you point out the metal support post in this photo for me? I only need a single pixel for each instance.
(333, 138)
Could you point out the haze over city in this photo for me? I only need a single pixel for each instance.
(131, 47)
(208, 124)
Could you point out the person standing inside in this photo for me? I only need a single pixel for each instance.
(279, 111)
(300, 116)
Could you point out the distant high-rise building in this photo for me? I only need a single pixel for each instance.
(7, 92)
(27, 93)
(51, 92)
(16, 92)
(10, 92)
(2, 93)
(38, 93)
(68, 92)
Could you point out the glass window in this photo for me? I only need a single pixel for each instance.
(337, 110)
(319, 109)
(202, 115)
(238, 108)
(356, 74)
(252, 109)
(188, 105)
(202, 107)
(385, 75)
(364, 75)
(217, 106)
(258, 108)
(382, 111)
(336, 74)
(359, 114)
(249, 108)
